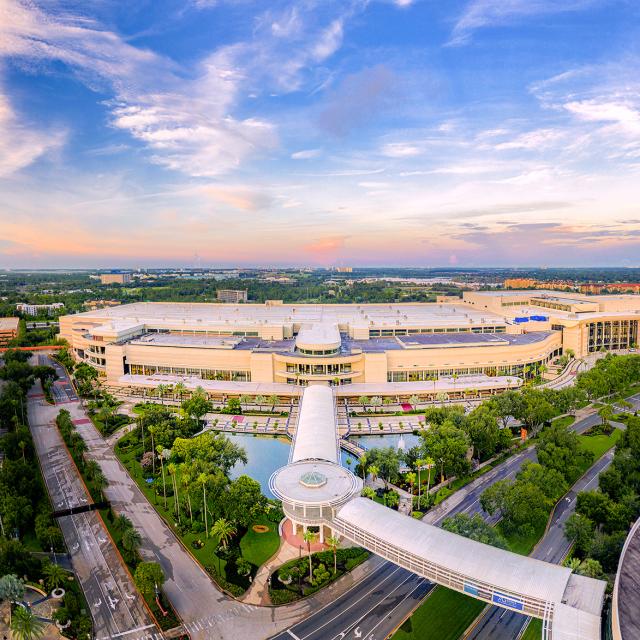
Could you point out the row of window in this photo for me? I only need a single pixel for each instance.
(318, 352)
(382, 333)
(206, 332)
(205, 374)
(520, 370)
(318, 369)
(619, 334)
(303, 383)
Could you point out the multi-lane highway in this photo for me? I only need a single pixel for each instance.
(499, 624)
(116, 607)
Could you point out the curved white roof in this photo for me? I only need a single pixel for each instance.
(316, 431)
(314, 482)
(479, 562)
(319, 335)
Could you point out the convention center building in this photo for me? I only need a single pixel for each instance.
(485, 342)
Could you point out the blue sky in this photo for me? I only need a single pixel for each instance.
(379, 132)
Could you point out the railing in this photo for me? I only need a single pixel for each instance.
(490, 593)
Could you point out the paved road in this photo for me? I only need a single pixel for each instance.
(116, 607)
(500, 624)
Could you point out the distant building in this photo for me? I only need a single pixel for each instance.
(92, 305)
(344, 269)
(617, 287)
(8, 330)
(520, 283)
(115, 278)
(232, 296)
(38, 309)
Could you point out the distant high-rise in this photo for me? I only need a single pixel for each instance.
(115, 278)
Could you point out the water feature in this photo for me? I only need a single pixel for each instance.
(266, 454)
(387, 440)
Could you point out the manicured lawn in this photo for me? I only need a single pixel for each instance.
(534, 630)
(565, 421)
(115, 422)
(600, 444)
(443, 616)
(522, 544)
(257, 548)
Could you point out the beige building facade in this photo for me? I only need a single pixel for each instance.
(8, 330)
(487, 342)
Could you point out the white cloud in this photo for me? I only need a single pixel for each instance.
(607, 111)
(306, 154)
(532, 140)
(20, 144)
(400, 150)
(185, 118)
(489, 13)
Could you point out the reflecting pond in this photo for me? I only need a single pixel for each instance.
(266, 454)
(388, 440)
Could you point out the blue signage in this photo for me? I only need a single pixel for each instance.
(471, 589)
(507, 601)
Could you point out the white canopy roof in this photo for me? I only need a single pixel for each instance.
(316, 431)
(511, 572)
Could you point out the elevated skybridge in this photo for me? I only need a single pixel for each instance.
(316, 491)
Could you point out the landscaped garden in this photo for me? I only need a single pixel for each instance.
(229, 526)
(303, 576)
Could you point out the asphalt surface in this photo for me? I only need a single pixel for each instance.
(116, 607)
(497, 623)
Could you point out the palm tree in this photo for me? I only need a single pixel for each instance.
(273, 401)
(244, 400)
(429, 463)
(54, 574)
(374, 470)
(91, 469)
(131, 540)
(161, 389)
(310, 537)
(223, 530)
(100, 482)
(202, 481)
(363, 466)
(180, 388)
(23, 445)
(161, 451)
(152, 432)
(121, 522)
(25, 625)
(185, 480)
(411, 479)
(420, 463)
(173, 470)
(334, 542)
(260, 400)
